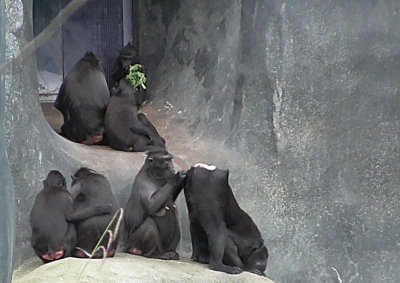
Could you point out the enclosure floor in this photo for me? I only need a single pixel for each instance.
(187, 149)
(52, 115)
(128, 268)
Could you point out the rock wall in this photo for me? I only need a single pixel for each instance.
(308, 92)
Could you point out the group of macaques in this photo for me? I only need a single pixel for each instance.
(71, 223)
(223, 235)
(97, 113)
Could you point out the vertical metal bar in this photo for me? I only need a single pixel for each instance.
(62, 40)
(136, 24)
(127, 21)
(7, 224)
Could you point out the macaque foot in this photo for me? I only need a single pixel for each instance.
(57, 255)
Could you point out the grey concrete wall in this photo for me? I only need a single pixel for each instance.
(7, 223)
(308, 92)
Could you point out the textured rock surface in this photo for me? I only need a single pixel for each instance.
(307, 94)
(7, 222)
(128, 268)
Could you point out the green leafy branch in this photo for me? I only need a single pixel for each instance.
(136, 77)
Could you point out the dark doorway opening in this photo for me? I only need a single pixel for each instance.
(99, 26)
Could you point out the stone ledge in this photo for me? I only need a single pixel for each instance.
(128, 268)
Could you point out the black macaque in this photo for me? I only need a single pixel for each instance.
(82, 99)
(128, 56)
(53, 237)
(151, 223)
(92, 191)
(223, 235)
(127, 89)
(127, 130)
